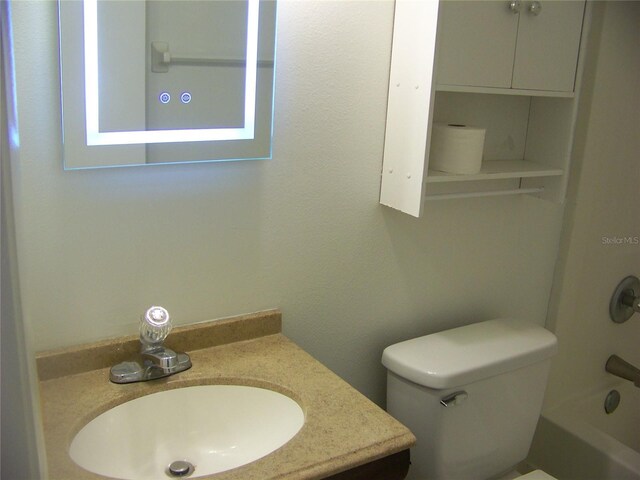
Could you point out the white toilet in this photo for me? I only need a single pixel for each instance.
(472, 397)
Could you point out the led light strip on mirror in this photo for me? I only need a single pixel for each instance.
(92, 92)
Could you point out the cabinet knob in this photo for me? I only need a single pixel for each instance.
(535, 8)
(514, 6)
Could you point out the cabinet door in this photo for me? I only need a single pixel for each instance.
(476, 43)
(548, 43)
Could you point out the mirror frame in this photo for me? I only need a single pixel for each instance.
(103, 149)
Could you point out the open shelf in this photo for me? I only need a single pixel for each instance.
(498, 170)
(502, 91)
(488, 193)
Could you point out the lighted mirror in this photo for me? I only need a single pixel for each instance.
(166, 81)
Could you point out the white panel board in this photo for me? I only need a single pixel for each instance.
(410, 107)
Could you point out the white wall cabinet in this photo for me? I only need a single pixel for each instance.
(495, 80)
(519, 44)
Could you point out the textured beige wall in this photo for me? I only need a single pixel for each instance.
(601, 239)
(303, 232)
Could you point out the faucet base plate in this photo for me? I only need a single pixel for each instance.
(142, 370)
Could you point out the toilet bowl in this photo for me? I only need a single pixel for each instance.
(472, 396)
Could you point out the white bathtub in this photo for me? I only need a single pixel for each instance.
(581, 442)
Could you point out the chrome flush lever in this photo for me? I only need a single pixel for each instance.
(454, 399)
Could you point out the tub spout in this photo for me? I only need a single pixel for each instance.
(623, 369)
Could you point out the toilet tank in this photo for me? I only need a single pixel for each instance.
(472, 396)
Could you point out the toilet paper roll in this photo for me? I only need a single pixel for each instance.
(456, 148)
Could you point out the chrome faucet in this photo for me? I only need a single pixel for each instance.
(155, 360)
(623, 369)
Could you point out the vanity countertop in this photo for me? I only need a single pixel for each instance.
(342, 430)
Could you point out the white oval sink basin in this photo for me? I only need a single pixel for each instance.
(213, 427)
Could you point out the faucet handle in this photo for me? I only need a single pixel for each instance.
(625, 299)
(155, 325)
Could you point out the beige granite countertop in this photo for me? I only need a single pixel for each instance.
(342, 430)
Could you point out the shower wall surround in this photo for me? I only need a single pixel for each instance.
(601, 238)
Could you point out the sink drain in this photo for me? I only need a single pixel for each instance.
(180, 468)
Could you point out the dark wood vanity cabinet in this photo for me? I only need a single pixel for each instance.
(393, 467)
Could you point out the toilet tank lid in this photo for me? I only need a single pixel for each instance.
(466, 354)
